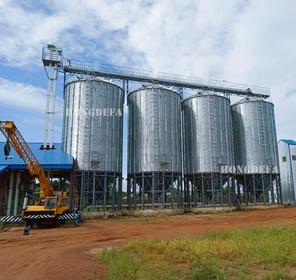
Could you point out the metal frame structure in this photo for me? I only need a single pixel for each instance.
(258, 189)
(155, 190)
(234, 190)
(99, 190)
(209, 190)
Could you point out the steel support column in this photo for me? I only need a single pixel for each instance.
(9, 200)
(16, 195)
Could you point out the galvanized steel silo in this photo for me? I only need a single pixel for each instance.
(154, 130)
(256, 152)
(208, 147)
(93, 132)
(154, 149)
(255, 134)
(93, 124)
(208, 140)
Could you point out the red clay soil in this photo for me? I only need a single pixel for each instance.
(70, 253)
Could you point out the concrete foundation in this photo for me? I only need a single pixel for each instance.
(170, 212)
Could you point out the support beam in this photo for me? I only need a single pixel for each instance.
(16, 195)
(143, 192)
(129, 202)
(105, 194)
(163, 191)
(93, 189)
(9, 201)
(119, 197)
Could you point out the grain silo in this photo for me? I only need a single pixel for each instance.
(154, 149)
(208, 149)
(256, 153)
(92, 134)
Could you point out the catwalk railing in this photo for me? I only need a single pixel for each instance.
(149, 76)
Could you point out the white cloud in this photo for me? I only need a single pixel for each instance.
(25, 105)
(243, 41)
(92, 29)
(24, 97)
(263, 40)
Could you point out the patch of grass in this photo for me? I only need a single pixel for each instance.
(206, 269)
(279, 275)
(268, 254)
(129, 265)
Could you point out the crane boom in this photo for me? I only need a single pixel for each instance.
(22, 148)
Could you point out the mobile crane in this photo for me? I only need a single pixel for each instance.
(51, 204)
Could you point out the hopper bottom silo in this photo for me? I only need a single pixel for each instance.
(256, 151)
(155, 150)
(155, 190)
(92, 135)
(208, 150)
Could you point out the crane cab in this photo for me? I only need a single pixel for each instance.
(50, 207)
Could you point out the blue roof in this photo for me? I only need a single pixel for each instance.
(289, 142)
(49, 159)
(3, 168)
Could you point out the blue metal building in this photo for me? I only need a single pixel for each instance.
(287, 159)
(15, 180)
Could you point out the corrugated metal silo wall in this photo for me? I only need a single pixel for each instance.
(154, 131)
(208, 138)
(254, 134)
(93, 124)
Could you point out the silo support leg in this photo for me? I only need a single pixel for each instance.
(143, 190)
(113, 192)
(178, 193)
(271, 188)
(129, 206)
(172, 192)
(254, 189)
(221, 190)
(134, 193)
(93, 189)
(163, 191)
(213, 190)
(105, 193)
(263, 189)
(120, 193)
(153, 191)
(203, 190)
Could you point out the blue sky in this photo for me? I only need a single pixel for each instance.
(251, 42)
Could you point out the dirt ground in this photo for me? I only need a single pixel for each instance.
(70, 253)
